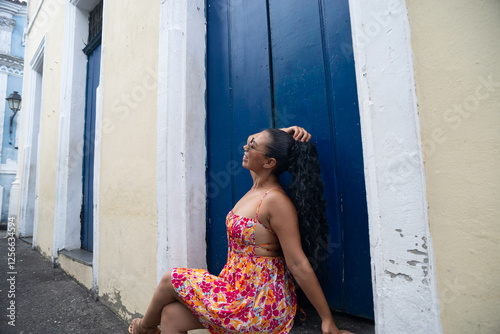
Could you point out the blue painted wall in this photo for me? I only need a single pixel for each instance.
(17, 49)
(8, 142)
(14, 83)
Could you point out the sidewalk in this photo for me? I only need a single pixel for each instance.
(48, 301)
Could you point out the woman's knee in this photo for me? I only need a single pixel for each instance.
(166, 285)
(166, 279)
(168, 312)
(176, 317)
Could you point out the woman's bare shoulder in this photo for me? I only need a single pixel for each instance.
(278, 201)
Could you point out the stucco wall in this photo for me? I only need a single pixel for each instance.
(127, 192)
(456, 46)
(49, 22)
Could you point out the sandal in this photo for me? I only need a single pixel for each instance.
(136, 327)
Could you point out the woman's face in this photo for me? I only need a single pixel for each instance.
(254, 157)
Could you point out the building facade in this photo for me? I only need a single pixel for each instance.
(12, 24)
(126, 119)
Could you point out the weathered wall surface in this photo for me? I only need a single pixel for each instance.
(127, 191)
(456, 45)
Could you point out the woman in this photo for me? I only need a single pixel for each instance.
(254, 293)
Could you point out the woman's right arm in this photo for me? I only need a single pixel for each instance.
(284, 222)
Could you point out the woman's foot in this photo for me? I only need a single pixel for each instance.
(136, 327)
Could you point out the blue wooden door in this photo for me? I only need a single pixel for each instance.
(93, 73)
(278, 63)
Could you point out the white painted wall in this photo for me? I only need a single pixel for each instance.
(404, 284)
(181, 149)
(7, 24)
(14, 198)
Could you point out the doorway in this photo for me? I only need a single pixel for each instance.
(93, 52)
(279, 63)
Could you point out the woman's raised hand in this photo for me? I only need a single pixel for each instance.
(297, 133)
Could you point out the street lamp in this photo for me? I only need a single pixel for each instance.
(14, 104)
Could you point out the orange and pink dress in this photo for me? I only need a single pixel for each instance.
(252, 294)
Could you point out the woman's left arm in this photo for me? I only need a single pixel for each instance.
(284, 222)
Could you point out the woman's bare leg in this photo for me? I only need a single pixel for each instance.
(163, 295)
(176, 318)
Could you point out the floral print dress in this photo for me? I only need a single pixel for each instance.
(252, 294)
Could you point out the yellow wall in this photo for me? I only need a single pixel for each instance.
(79, 271)
(456, 46)
(127, 202)
(48, 23)
(127, 220)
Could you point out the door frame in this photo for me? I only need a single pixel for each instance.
(87, 213)
(68, 201)
(28, 223)
(181, 147)
(183, 41)
(401, 246)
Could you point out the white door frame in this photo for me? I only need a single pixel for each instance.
(181, 147)
(403, 275)
(28, 211)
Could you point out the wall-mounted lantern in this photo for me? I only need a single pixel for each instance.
(14, 104)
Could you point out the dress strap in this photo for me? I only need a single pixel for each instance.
(258, 208)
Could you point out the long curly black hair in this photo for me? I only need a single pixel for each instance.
(300, 159)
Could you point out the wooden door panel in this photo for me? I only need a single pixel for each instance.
(341, 82)
(300, 97)
(281, 63)
(93, 75)
(239, 104)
